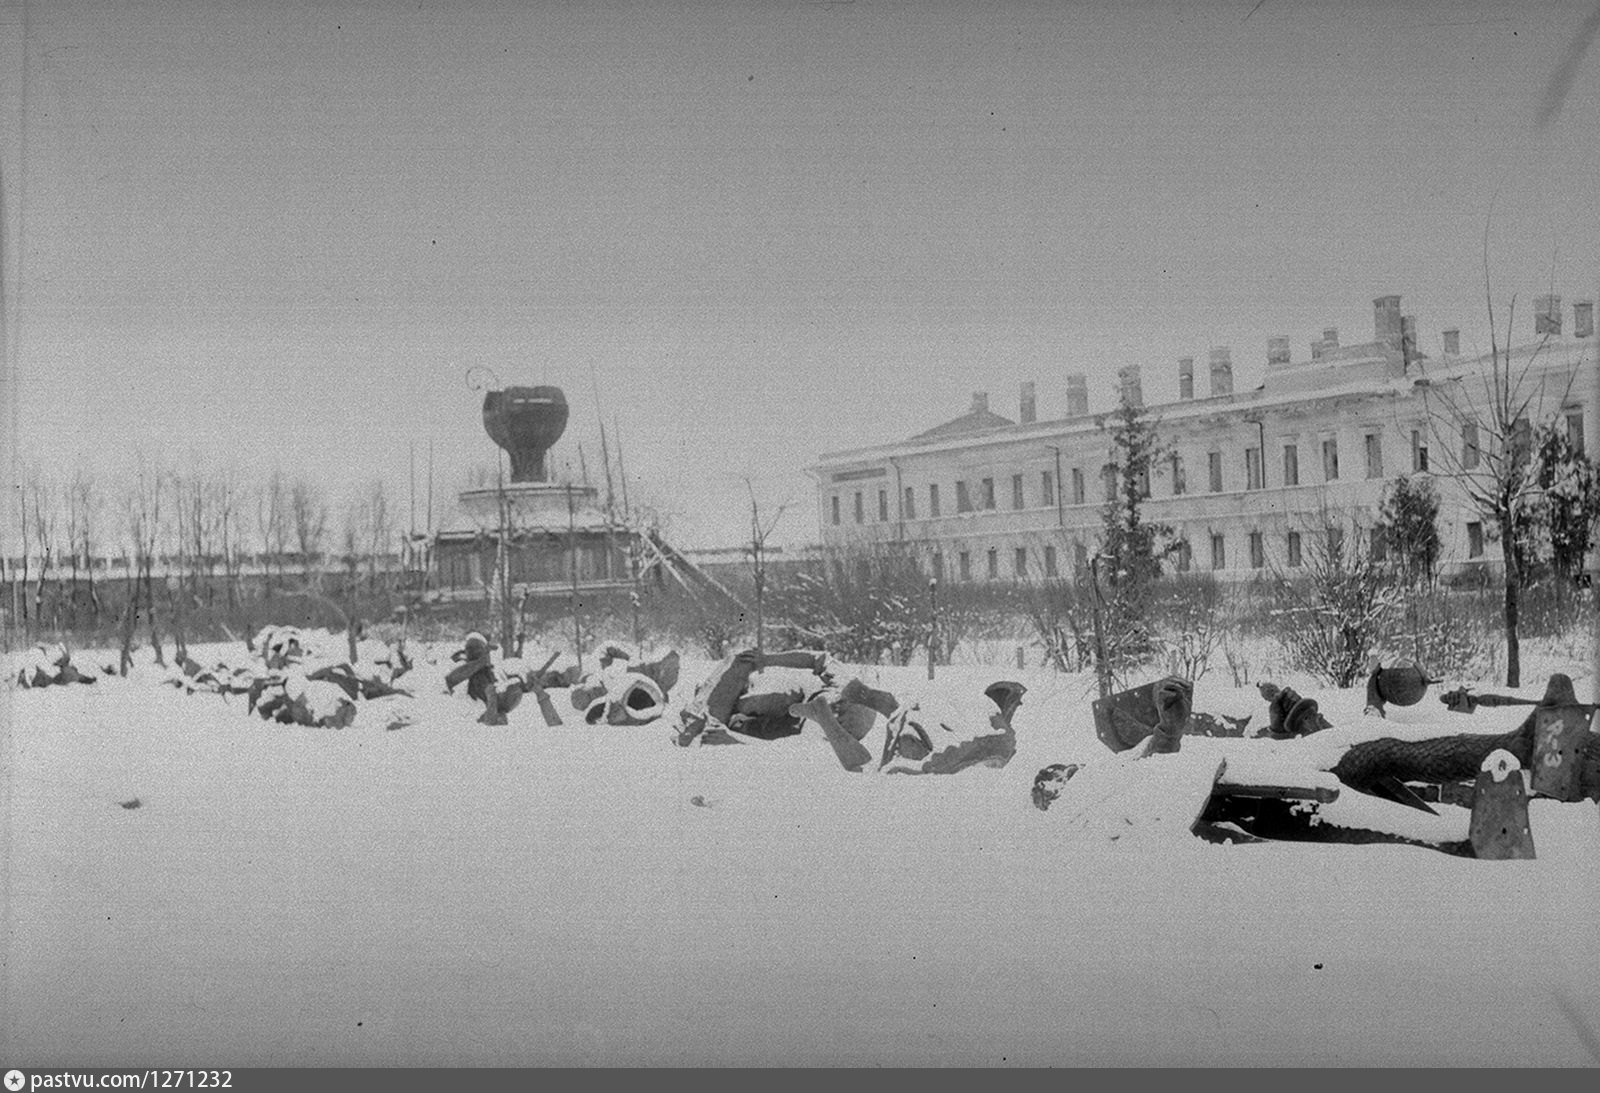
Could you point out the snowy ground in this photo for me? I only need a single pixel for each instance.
(452, 894)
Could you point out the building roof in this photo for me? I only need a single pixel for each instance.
(973, 421)
(1369, 369)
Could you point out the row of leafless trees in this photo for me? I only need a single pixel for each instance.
(86, 545)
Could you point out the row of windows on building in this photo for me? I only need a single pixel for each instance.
(984, 498)
(1026, 563)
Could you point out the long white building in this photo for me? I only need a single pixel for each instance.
(1251, 476)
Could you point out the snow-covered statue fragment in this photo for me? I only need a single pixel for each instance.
(50, 665)
(1288, 714)
(1050, 782)
(1156, 715)
(190, 676)
(750, 696)
(765, 696)
(281, 646)
(934, 734)
(297, 699)
(943, 735)
(626, 690)
(499, 685)
(1286, 783)
(1397, 685)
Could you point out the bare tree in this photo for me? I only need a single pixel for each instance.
(352, 579)
(1482, 423)
(43, 514)
(20, 591)
(308, 519)
(377, 528)
(272, 522)
(84, 504)
(759, 533)
(230, 529)
(186, 507)
(143, 522)
(198, 501)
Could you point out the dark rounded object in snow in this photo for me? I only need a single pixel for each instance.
(525, 421)
(1403, 685)
(1301, 720)
(1049, 782)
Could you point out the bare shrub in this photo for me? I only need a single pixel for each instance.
(1058, 613)
(1190, 626)
(861, 606)
(972, 612)
(1238, 662)
(1330, 620)
(680, 618)
(1447, 634)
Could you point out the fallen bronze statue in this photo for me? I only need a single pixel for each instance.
(1552, 754)
(755, 696)
(627, 690)
(498, 684)
(749, 696)
(51, 666)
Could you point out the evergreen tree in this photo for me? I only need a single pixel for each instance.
(1408, 523)
(1569, 500)
(1131, 548)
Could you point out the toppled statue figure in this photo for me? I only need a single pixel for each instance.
(49, 665)
(626, 690)
(296, 684)
(1290, 715)
(767, 696)
(934, 735)
(499, 685)
(733, 702)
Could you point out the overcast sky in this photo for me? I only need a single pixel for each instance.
(279, 234)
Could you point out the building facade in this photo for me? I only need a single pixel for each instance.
(1249, 476)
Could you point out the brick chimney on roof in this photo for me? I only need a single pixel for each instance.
(1222, 371)
(1129, 389)
(1029, 411)
(1387, 325)
(1408, 340)
(1077, 394)
(980, 402)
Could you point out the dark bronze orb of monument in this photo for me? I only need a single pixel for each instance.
(525, 421)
